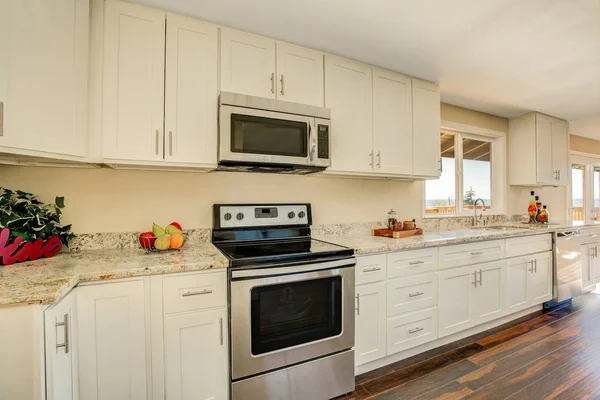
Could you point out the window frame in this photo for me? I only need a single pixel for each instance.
(498, 168)
(590, 162)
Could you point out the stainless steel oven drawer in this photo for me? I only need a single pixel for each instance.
(325, 378)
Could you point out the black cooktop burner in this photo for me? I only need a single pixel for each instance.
(278, 251)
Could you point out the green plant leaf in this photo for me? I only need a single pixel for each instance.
(60, 202)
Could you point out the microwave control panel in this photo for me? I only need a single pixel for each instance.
(323, 141)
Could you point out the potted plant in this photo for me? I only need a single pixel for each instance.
(30, 229)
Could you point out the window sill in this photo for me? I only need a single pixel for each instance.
(485, 213)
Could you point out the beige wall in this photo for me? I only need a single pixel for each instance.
(105, 200)
(585, 145)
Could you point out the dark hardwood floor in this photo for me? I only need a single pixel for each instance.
(546, 355)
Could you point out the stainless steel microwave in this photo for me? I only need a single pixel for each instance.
(265, 135)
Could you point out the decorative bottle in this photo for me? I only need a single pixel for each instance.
(543, 217)
(532, 209)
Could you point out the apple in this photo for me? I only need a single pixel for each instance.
(147, 240)
(177, 225)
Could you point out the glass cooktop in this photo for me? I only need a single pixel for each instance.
(289, 250)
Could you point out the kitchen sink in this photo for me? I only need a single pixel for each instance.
(501, 228)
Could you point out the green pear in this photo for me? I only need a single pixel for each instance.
(171, 230)
(162, 243)
(158, 230)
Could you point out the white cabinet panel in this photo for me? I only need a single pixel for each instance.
(410, 262)
(370, 269)
(426, 128)
(114, 341)
(300, 75)
(411, 293)
(247, 64)
(517, 278)
(455, 300)
(44, 46)
(407, 331)
(545, 172)
(560, 152)
(521, 246)
(488, 296)
(471, 253)
(60, 329)
(133, 93)
(348, 93)
(194, 291)
(392, 123)
(196, 357)
(370, 323)
(191, 92)
(540, 282)
(587, 254)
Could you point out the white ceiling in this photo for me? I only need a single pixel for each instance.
(502, 57)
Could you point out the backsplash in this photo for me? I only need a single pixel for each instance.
(124, 240)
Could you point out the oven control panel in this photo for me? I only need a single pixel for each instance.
(242, 216)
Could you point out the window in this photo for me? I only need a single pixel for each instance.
(578, 191)
(472, 168)
(585, 189)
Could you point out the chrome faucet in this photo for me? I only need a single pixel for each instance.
(475, 222)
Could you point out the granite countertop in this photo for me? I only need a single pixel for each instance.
(364, 243)
(48, 279)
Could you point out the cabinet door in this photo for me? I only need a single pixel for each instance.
(133, 93)
(348, 93)
(196, 356)
(487, 302)
(191, 95)
(560, 152)
(300, 75)
(595, 263)
(518, 271)
(60, 337)
(540, 281)
(392, 123)
(114, 341)
(587, 253)
(44, 47)
(426, 128)
(545, 172)
(455, 293)
(370, 322)
(247, 64)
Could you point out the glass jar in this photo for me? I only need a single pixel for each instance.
(392, 219)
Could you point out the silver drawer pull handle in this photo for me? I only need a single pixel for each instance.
(205, 291)
(411, 331)
(416, 262)
(372, 269)
(65, 342)
(416, 294)
(476, 253)
(357, 303)
(221, 330)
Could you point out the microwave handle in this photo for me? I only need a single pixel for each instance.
(311, 142)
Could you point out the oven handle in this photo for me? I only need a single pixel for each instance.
(261, 272)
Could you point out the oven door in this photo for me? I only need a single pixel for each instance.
(285, 315)
(260, 136)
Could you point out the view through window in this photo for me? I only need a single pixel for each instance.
(577, 191)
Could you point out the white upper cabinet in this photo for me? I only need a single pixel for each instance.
(133, 95)
(538, 150)
(392, 123)
(247, 64)
(191, 91)
(348, 93)
(44, 47)
(299, 75)
(426, 129)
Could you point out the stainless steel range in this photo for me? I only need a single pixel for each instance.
(291, 304)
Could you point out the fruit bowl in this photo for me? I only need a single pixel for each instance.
(164, 243)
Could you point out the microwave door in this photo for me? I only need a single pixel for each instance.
(259, 136)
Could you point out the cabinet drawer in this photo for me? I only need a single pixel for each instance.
(370, 269)
(521, 246)
(590, 235)
(407, 331)
(471, 253)
(411, 293)
(195, 291)
(411, 262)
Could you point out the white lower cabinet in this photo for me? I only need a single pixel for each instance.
(370, 322)
(114, 341)
(196, 355)
(411, 293)
(60, 335)
(469, 296)
(540, 282)
(587, 255)
(528, 281)
(407, 331)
